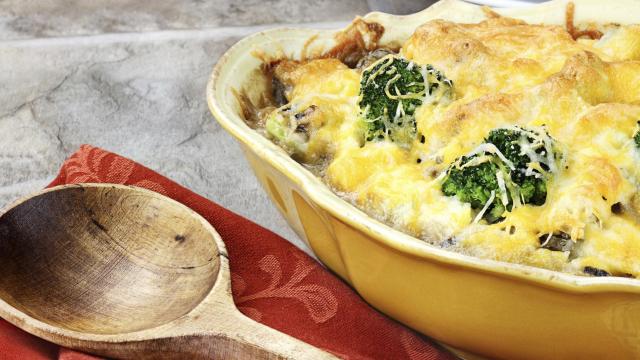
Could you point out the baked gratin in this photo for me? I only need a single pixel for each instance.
(503, 140)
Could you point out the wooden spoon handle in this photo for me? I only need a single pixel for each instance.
(246, 338)
(236, 337)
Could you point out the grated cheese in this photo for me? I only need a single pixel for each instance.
(485, 208)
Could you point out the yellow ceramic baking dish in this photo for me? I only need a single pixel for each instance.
(486, 307)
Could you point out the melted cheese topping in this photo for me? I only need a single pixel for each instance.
(505, 72)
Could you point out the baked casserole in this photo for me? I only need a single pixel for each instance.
(500, 139)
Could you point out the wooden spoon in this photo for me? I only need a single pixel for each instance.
(124, 272)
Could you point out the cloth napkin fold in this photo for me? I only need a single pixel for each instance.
(273, 282)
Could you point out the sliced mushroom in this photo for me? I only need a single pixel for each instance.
(303, 117)
(593, 271)
(617, 208)
(372, 57)
(557, 241)
(279, 91)
(299, 123)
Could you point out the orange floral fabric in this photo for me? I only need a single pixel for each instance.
(273, 282)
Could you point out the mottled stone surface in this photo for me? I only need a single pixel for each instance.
(47, 18)
(133, 84)
(139, 96)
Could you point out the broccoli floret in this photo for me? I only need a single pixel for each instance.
(636, 137)
(390, 91)
(533, 191)
(511, 168)
(531, 153)
(476, 184)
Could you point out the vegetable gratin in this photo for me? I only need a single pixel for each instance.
(503, 140)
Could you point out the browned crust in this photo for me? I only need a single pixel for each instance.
(352, 44)
(571, 29)
(489, 13)
(355, 42)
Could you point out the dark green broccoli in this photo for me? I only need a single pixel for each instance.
(636, 137)
(390, 91)
(510, 168)
(473, 179)
(531, 154)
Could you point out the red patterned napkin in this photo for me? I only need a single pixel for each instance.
(273, 281)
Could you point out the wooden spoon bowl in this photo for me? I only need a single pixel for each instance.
(125, 272)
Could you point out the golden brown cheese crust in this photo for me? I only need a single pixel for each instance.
(505, 72)
(498, 54)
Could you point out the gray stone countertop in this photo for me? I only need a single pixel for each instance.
(129, 76)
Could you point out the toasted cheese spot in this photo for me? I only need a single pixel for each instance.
(577, 199)
(613, 247)
(520, 247)
(624, 79)
(351, 168)
(496, 55)
(621, 43)
(323, 76)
